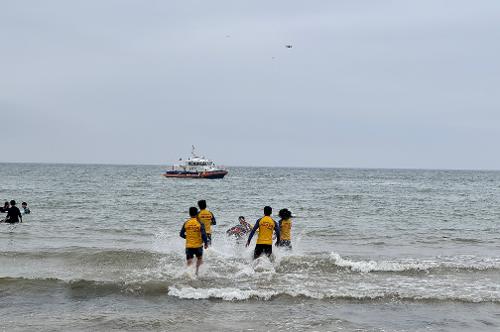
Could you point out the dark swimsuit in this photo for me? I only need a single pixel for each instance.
(13, 215)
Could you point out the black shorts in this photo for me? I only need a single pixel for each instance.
(285, 243)
(191, 252)
(262, 248)
(209, 239)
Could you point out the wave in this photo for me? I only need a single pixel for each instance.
(138, 260)
(96, 288)
(334, 262)
(97, 257)
(83, 287)
(443, 264)
(235, 294)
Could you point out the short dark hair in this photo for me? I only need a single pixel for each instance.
(268, 210)
(24, 203)
(193, 211)
(202, 204)
(6, 203)
(13, 202)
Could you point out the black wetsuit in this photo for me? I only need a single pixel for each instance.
(13, 215)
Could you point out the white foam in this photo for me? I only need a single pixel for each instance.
(383, 266)
(461, 262)
(362, 292)
(228, 294)
(263, 264)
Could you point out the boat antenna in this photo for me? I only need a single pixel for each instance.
(192, 152)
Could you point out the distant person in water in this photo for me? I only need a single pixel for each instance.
(13, 215)
(194, 232)
(240, 230)
(266, 226)
(26, 209)
(285, 224)
(207, 218)
(5, 208)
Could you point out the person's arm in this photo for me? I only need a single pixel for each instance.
(183, 231)
(20, 215)
(277, 239)
(214, 222)
(204, 235)
(277, 231)
(254, 229)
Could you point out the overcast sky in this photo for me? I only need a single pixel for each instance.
(393, 84)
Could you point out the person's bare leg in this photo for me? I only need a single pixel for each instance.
(199, 261)
(189, 262)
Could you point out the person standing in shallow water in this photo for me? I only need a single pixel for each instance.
(194, 232)
(14, 214)
(26, 209)
(240, 230)
(266, 226)
(207, 218)
(285, 224)
(5, 208)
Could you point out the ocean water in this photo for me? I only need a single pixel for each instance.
(373, 250)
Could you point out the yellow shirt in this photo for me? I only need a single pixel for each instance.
(286, 230)
(205, 217)
(193, 233)
(266, 228)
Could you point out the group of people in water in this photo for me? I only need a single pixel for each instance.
(14, 214)
(197, 231)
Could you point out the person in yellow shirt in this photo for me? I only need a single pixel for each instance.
(194, 233)
(207, 218)
(266, 226)
(285, 224)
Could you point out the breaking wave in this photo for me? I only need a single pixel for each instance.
(95, 288)
(334, 262)
(234, 294)
(224, 276)
(318, 263)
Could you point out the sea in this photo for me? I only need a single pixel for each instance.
(373, 250)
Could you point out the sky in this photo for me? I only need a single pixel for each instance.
(368, 84)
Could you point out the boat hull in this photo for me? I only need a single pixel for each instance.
(196, 175)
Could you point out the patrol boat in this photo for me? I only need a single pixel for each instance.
(196, 167)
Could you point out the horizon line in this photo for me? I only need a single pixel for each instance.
(258, 166)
